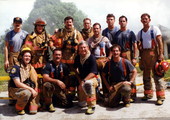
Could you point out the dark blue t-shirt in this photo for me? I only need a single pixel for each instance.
(116, 72)
(89, 66)
(125, 39)
(56, 72)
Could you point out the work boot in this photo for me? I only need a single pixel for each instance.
(51, 108)
(90, 110)
(127, 105)
(21, 112)
(159, 102)
(145, 98)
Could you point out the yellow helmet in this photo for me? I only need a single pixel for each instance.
(26, 49)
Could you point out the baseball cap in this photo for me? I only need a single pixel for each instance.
(17, 19)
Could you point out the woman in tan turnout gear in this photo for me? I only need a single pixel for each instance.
(23, 84)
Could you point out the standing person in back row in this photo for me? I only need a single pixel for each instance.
(151, 51)
(68, 39)
(87, 31)
(127, 41)
(13, 42)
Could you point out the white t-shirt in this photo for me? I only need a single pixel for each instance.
(146, 36)
(104, 42)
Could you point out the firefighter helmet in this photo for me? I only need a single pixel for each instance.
(40, 21)
(161, 68)
(23, 51)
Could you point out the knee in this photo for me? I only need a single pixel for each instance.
(25, 95)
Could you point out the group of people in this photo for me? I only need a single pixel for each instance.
(71, 61)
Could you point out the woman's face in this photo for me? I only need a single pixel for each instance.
(26, 58)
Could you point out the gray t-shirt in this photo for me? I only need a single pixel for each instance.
(15, 40)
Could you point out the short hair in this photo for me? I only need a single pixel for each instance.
(115, 46)
(83, 43)
(97, 24)
(86, 19)
(110, 15)
(123, 17)
(68, 18)
(145, 14)
(57, 49)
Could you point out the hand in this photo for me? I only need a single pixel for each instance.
(34, 93)
(134, 61)
(161, 57)
(6, 65)
(61, 84)
(127, 83)
(111, 89)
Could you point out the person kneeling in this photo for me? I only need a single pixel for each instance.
(23, 83)
(117, 78)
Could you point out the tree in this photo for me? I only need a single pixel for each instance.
(54, 12)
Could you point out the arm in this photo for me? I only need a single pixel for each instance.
(22, 85)
(160, 47)
(47, 78)
(134, 60)
(103, 75)
(6, 61)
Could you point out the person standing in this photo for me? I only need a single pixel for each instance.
(98, 45)
(13, 43)
(68, 38)
(151, 51)
(116, 76)
(87, 31)
(38, 42)
(86, 71)
(128, 43)
(23, 84)
(111, 29)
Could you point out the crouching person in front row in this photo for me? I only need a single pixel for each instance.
(23, 84)
(86, 69)
(55, 77)
(117, 78)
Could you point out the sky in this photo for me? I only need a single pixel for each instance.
(96, 10)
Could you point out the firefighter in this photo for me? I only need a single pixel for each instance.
(23, 84)
(13, 43)
(116, 76)
(151, 51)
(87, 31)
(86, 70)
(98, 45)
(55, 76)
(38, 42)
(128, 43)
(67, 39)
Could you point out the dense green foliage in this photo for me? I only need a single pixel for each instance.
(54, 12)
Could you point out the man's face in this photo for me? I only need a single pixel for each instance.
(145, 20)
(26, 58)
(68, 24)
(17, 25)
(87, 24)
(96, 30)
(116, 52)
(122, 22)
(110, 21)
(57, 56)
(39, 28)
(83, 49)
